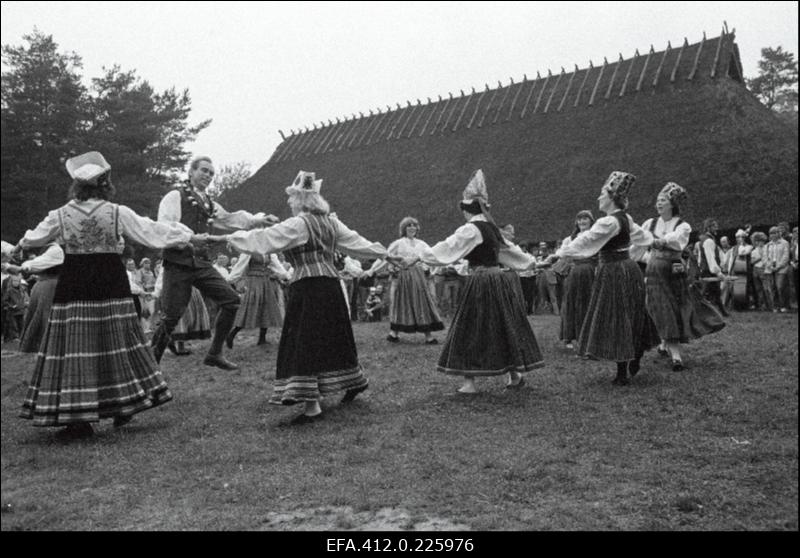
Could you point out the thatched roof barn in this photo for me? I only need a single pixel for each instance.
(546, 144)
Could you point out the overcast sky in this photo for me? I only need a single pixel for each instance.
(255, 68)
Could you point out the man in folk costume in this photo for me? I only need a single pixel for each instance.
(490, 334)
(191, 266)
(711, 265)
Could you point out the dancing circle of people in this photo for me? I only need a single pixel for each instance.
(628, 290)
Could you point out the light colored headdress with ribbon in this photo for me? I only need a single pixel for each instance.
(476, 193)
(675, 193)
(305, 182)
(87, 167)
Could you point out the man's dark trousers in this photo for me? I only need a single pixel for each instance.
(176, 293)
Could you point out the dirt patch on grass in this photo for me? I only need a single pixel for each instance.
(345, 518)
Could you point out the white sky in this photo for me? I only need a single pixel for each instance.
(255, 68)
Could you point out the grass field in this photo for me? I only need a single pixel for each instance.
(714, 447)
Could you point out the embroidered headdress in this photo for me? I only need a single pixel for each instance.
(87, 167)
(305, 182)
(675, 193)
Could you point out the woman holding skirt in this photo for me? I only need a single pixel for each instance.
(490, 334)
(94, 361)
(412, 307)
(678, 316)
(578, 285)
(317, 354)
(262, 301)
(616, 326)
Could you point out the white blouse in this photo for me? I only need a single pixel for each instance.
(132, 225)
(169, 211)
(676, 237)
(275, 266)
(51, 257)
(588, 243)
(464, 240)
(293, 232)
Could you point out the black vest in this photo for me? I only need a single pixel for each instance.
(485, 254)
(195, 214)
(623, 239)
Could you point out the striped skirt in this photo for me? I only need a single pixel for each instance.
(490, 333)
(195, 323)
(37, 313)
(678, 316)
(617, 326)
(413, 308)
(317, 354)
(94, 361)
(262, 304)
(577, 294)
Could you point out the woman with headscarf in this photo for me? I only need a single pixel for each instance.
(317, 354)
(616, 324)
(94, 361)
(677, 316)
(578, 285)
(262, 301)
(490, 334)
(412, 307)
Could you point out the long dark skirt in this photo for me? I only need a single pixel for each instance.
(94, 361)
(490, 333)
(617, 326)
(577, 294)
(37, 313)
(413, 308)
(317, 353)
(677, 315)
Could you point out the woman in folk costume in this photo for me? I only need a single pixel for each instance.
(412, 307)
(616, 326)
(94, 361)
(317, 354)
(262, 302)
(578, 285)
(490, 334)
(677, 315)
(46, 266)
(194, 324)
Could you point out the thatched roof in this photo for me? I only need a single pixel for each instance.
(546, 145)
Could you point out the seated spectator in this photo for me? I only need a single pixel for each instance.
(373, 307)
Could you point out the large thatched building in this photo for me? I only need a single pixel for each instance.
(682, 114)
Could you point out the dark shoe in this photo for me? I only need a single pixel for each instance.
(77, 431)
(432, 342)
(220, 362)
(677, 366)
(350, 394)
(261, 342)
(122, 421)
(621, 379)
(392, 339)
(634, 366)
(517, 385)
(305, 419)
(663, 352)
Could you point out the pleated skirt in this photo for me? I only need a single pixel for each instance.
(94, 361)
(490, 333)
(577, 294)
(262, 304)
(317, 354)
(413, 308)
(37, 313)
(617, 326)
(677, 315)
(195, 322)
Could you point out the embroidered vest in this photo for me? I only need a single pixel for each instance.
(485, 254)
(90, 232)
(195, 214)
(315, 257)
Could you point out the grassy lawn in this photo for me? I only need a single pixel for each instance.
(714, 447)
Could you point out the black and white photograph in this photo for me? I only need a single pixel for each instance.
(401, 276)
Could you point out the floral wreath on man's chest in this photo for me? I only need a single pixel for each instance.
(206, 206)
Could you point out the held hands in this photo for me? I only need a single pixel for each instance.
(262, 220)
